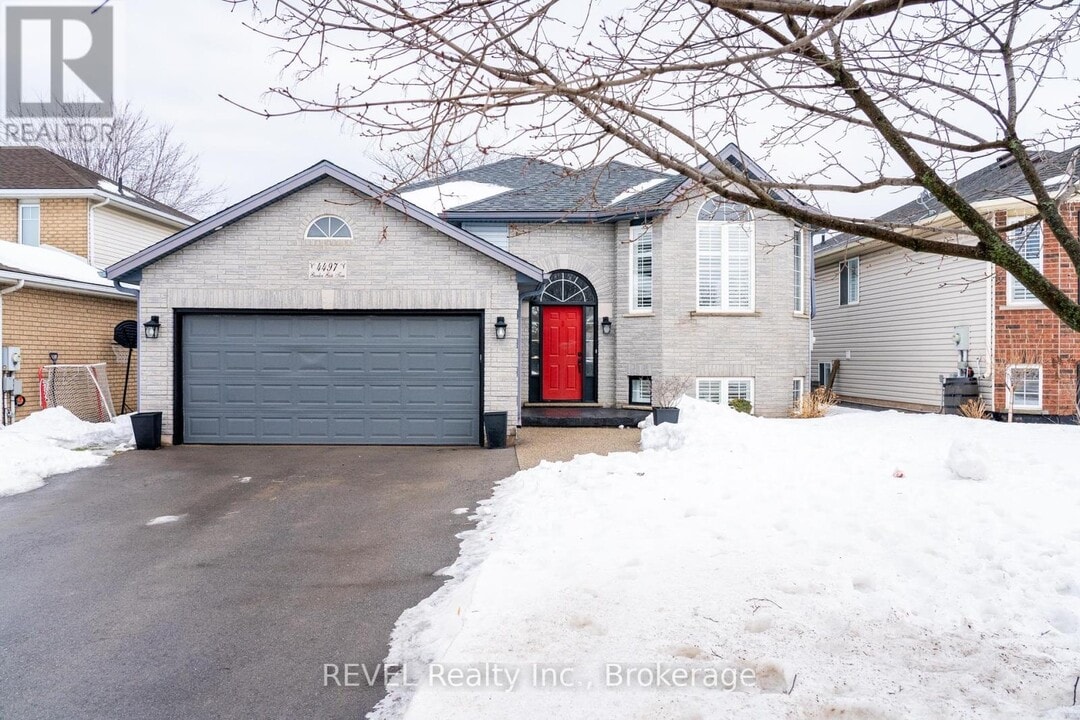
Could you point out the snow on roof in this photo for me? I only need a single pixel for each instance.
(438, 198)
(639, 188)
(49, 262)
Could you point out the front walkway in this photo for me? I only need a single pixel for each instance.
(535, 444)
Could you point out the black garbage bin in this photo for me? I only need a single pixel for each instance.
(495, 429)
(147, 429)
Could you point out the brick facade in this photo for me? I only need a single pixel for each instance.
(394, 263)
(9, 220)
(64, 223)
(1034, 335)
(78, 327)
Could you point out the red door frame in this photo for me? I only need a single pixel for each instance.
(562, 366)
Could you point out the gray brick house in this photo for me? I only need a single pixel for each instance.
(327, 310)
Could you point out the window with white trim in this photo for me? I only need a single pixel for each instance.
(640, 390)
(1026, 384)
(641, 268)
(30, 222)
(823, 372)
(725, 257)
(797, 385)
(328, 227)
(849, 281)
(799, 244)
(1028, 241)
(724, 390)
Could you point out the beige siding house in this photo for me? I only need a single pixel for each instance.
(894, 333)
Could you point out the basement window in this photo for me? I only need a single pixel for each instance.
(1026, 383)
(640, 390)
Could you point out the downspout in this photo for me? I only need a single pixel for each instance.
(91, 235)
(4, 410)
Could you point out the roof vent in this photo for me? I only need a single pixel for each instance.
(1004, 161)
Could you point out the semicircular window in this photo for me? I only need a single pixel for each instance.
(717, 209)
(565, 287)
(329, 226)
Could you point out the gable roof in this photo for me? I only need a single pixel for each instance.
(131, 267)
(575, 192)
(29, 168)
(606, 192)
(512, 172)
(997, 181)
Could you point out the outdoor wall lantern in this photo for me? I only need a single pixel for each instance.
(152, 327)
(500, 327)
(605, 325)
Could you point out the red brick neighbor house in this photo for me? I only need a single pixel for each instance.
(900, 322)
(1027, 335)
(60, 223)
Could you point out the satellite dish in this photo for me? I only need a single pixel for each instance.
(126, 334)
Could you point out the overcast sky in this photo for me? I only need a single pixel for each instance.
(175, 58)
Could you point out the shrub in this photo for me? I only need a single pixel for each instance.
(976, 409)
(666, 391)
(741, 405)
(815, 404)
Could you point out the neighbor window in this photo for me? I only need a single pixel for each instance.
(1028, 241)
(328, 226)
(1026, 382)
(640, 390)
(725, 256)
(641, 268)
(797, 385)
(823, 372)
(724, 390)
(498, 234)
(30, 223)
(849, 281)
(799, 243)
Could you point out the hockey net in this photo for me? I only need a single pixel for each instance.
(81, 389)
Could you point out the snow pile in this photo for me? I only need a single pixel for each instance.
(438, 198)
(54, 441)
(849, 564)
(50, 262)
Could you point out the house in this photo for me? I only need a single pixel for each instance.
(325, 309)
(900, 321)
(59, 224)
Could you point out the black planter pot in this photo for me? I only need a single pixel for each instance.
(495, 429)
(147, 429)
(665, 415)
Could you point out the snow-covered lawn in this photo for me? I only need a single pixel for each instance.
(862, 566)
(54, 441)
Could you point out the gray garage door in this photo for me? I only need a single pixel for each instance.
(368, 379)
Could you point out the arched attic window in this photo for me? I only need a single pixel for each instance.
(328, 226)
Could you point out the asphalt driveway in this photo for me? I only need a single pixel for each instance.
(231, 611)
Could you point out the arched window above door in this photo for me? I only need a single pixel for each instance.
(566, 287)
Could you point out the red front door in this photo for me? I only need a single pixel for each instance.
(561, 350)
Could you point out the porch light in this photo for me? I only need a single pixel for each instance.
(152, 327)
(605, 325)
(500, 328)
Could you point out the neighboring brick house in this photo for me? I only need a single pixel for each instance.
(327, 310)
(59, 224)
(897, 321)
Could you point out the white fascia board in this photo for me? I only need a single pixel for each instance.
(126, 203)
(47, 283)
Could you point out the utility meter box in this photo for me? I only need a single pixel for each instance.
(10, 385)
(10, 359)
(961, 337)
